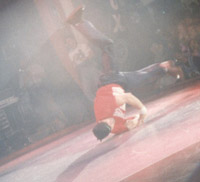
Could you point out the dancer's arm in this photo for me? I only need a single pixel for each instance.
(128, 98)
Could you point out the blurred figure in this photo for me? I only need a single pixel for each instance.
(84, 62)
(95, 36)
(45, 111)
(159, 50)
(35, 76)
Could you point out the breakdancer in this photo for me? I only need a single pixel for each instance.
(116, 88)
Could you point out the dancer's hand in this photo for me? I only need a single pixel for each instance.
(142, 118)
(132, 122)
(143, 114)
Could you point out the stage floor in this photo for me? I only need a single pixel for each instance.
(165, 149)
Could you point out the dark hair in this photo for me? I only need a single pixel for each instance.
(101, 130)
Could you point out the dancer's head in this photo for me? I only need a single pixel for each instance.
(101, 130)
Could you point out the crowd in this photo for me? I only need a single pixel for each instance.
(178, 41)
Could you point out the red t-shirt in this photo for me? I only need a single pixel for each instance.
(105, 106)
